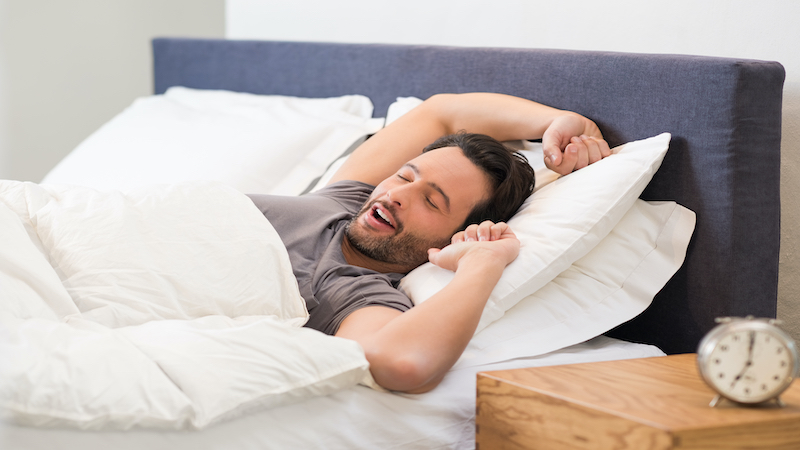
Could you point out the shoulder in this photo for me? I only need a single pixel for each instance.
(348, 193)
(356, 290)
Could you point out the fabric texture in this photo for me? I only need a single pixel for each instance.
(254, 143)
(312, 228)
(168, 307)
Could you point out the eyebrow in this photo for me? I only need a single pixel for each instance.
(435, 186)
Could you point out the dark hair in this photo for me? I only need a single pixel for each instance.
(511, 177)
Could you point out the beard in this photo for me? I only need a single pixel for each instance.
(408, 250)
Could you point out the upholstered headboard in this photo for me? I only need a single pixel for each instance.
(723, 161)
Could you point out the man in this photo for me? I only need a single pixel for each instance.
(392, 207)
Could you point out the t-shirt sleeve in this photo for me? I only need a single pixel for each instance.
(351, 293)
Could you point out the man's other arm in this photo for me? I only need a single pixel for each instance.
(412, 351)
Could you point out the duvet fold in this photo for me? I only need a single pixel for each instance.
(170, 306)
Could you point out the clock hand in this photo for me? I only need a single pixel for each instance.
(749, 361)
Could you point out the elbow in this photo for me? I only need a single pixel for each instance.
(404, 372)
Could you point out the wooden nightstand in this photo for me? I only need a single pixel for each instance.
(637, 404)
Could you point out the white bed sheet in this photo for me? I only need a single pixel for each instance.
(357, 418)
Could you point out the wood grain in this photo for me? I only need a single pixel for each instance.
(650, 403)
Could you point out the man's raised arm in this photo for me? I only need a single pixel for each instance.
(571, 141)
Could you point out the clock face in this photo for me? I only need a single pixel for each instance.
(749, 365)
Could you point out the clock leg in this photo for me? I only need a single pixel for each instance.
(715, 401)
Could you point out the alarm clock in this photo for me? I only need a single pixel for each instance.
(747, 360)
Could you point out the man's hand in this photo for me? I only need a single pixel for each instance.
(572, 142)
(490, 242)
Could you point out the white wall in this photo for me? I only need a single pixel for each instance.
(68, 66)
(734, 28)
(4, 172)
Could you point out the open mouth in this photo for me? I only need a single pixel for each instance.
(381, 216)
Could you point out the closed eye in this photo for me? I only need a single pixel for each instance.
(415, 171)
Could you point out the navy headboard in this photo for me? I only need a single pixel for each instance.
(723, 162)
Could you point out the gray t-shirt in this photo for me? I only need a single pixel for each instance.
(312, 227)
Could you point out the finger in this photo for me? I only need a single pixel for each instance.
(593, 148)
(551, 147)
(507, 232)
(458, 237)
(484, 231)
(471, 233)
(498, 230)
(552, 156)
(582, 153)
(605, 150)
(569, 160)
(434, 256)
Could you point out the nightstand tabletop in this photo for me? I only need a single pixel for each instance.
(661, 399)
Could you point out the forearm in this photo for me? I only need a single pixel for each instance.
(502, 117)
(415, 350)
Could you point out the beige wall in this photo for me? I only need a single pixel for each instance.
(68, 66)
(736, 28)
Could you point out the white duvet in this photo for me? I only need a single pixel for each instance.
(171, 307)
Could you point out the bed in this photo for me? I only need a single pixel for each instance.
(722, 164)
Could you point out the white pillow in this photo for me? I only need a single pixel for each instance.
(255, 143)
(401, 106)
(613, 283)
(559, 224)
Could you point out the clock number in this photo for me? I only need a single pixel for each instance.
(723, 348)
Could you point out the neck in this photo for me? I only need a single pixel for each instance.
(355, 258)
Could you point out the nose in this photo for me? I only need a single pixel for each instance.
(399, 195)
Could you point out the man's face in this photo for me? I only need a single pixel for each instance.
(419, 207)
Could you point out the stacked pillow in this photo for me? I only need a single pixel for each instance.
(254, 143)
